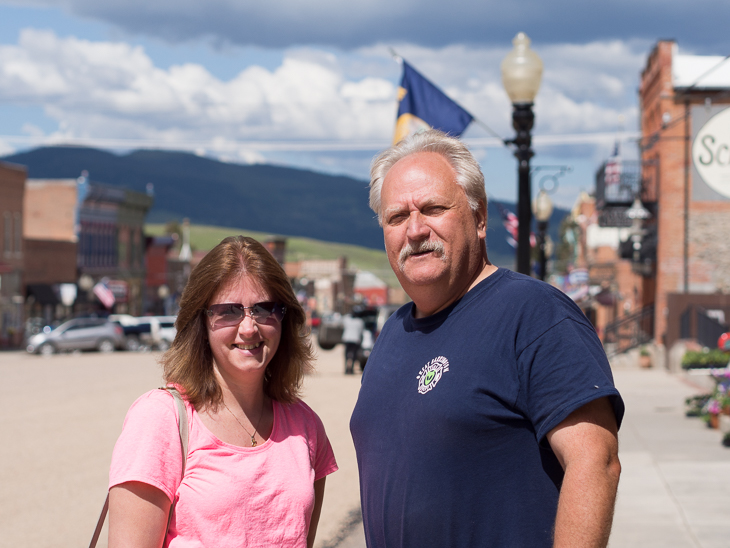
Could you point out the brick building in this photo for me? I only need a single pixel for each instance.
(50, 231)
(12, 255)
(78, 229)
(685, 155)
(370, 289)
(611, 288)
(329, 282)
(157, 282)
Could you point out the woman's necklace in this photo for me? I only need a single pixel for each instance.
(254, 443)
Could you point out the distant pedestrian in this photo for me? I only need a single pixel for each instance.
(257, 456)
(352, 331)
(487, 414)
(368, 340)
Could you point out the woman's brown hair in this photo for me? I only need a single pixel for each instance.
(189, 361)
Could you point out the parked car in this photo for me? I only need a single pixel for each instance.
(78, 334)
(166, 330)
(329, 333)
(330, 329)
(147, 332)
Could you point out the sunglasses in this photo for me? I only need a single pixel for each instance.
(229, 314)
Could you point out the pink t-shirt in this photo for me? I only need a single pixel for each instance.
(230, 496)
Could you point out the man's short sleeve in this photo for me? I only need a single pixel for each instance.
(562, 370)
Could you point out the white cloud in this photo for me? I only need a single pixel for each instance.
(113, 90)
(107, 89)
(6, 148)
(32, 130)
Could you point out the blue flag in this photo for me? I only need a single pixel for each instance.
(423, 106)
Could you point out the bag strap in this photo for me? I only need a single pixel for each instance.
(182, 424)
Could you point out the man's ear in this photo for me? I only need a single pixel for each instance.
(480, 216)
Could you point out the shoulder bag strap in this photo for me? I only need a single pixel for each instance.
(182, 423)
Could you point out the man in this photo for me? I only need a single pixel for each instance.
(487, 414)
(352, 330)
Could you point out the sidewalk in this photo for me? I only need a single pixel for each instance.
(675, 481)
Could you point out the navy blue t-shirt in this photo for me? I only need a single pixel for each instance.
(453, 411)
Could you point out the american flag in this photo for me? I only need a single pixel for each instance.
(104, 294)
(511, 224)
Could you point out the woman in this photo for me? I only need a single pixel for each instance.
(257, 456)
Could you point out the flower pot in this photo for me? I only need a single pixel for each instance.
(645, 361)
(726, 409)
(714, 421)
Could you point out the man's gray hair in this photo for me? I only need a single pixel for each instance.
(468, 174)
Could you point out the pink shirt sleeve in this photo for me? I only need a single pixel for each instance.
(324, 458)
(148, 450)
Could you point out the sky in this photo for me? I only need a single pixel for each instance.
(314, 84)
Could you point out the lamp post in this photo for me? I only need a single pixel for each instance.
(638, 214)
(521, 76)
(543, 208)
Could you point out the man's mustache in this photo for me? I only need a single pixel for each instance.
(421, 247)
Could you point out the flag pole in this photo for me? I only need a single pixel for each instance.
(490, 130)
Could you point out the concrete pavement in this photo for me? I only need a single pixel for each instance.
(675, 482)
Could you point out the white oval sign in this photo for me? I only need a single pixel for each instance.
(711, 152)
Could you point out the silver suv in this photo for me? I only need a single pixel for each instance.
(78, 334)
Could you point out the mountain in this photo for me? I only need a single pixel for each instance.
(264, 198)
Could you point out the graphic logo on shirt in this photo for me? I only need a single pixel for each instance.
(430, 374)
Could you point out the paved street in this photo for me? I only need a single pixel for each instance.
(63, 415)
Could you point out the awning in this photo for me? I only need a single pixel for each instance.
(43, 294)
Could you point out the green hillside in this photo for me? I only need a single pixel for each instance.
(203, 237)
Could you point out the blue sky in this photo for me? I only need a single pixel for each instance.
(313, 84)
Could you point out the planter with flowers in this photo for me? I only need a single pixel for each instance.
(695, 405)
(719, 401)
(712, 416)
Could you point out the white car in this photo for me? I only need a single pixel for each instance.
(147, 332)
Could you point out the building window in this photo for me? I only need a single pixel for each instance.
(83, 252)
(8, 236)
(18, 233)
(130, 249)
(137, 253)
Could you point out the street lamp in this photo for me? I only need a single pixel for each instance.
(543, 208)
(521, 76)
(638, 214)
